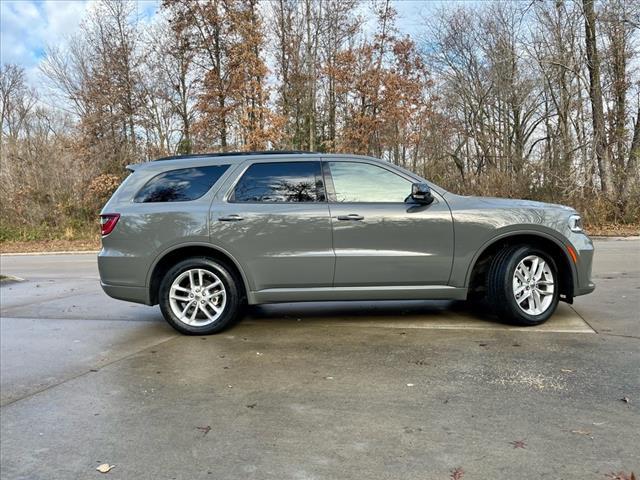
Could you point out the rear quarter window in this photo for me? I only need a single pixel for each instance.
(180, 185)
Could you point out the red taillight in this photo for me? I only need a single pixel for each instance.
(108, 222)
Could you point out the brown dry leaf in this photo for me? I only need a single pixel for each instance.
(457, 473)
(582, 432)
(519, 444)
(105, 468)
(620, 476)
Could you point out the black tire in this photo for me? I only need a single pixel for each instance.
(500, 285)
(233, 289)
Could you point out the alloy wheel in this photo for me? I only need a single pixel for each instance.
(533, 285)
(197, 297)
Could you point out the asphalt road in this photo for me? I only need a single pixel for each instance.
(395, 390)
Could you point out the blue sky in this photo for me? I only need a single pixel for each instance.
(28, 26)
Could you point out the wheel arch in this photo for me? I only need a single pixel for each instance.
(170, 257)
(550, 244)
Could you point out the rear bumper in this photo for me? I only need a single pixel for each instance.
(129, 294)
(120, 276)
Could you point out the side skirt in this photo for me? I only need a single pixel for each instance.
(431, 292)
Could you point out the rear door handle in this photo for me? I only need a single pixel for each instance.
(231, 218)
(351, 216)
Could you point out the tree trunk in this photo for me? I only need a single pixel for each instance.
(633, 164)
(595, 93)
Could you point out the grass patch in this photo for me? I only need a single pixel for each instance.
(32, 246)
(70, 231)
(614, 230)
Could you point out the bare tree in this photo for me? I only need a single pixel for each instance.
(17, 101)
(535, 99)
(601, 144)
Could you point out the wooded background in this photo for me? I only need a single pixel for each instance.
(536, 99)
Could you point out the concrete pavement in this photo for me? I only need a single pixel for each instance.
(397, 390)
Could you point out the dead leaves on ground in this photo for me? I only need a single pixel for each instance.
(586, 433)
(457, 473)
(620, 476)
(104, 468)
(519, 444)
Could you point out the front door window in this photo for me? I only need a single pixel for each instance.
(356, 182)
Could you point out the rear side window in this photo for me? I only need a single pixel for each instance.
(281, 182)
(180, 185)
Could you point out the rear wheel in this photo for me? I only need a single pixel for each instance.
(199, 296)
(523, 285)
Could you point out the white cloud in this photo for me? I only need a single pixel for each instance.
(28, 27)
(62, 19)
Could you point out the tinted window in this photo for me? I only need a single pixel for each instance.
(180, 185)
(363, 182)
(281, 182)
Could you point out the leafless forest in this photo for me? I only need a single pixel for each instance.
(535, 99)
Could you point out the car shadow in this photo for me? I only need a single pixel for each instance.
(380, 312)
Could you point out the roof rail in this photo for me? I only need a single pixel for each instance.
(234, 154)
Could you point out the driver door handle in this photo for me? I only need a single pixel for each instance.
(351, 216)
(231, 218)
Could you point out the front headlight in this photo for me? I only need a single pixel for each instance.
(575, 223)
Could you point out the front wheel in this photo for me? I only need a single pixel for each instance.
(523, 285)
(199, 296)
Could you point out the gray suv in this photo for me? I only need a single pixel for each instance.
(203, 235)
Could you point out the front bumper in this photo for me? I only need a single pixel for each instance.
(583, 246)
(584, 290)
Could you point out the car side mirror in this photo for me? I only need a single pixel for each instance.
(421, 193)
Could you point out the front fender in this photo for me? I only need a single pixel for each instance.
(463, 269)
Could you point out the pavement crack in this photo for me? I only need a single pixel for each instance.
(584, 319)
(39, 301)
(635, 337)
(88, 371)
